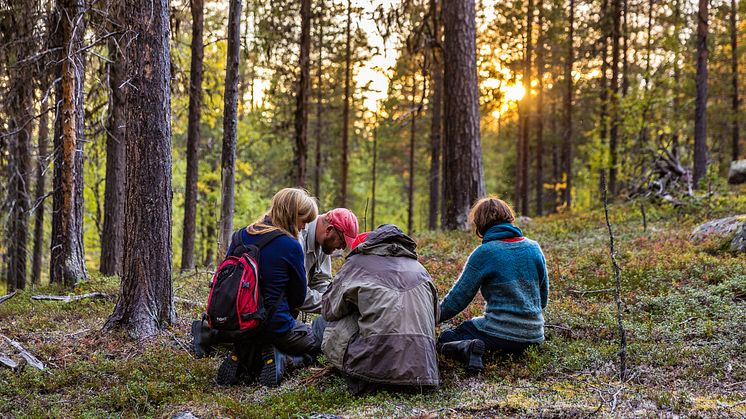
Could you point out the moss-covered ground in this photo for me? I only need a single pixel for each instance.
(684, 311)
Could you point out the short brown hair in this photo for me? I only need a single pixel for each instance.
(489, 211)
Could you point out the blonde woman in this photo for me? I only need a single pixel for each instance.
(283, 341)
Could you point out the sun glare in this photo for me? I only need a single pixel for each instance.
(515, 92)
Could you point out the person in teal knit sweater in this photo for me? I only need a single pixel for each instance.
(511, 272)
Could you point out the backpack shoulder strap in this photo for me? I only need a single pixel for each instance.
(238, 245)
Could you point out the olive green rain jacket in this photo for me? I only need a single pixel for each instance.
(382, 308)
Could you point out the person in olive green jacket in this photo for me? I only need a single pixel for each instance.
(381, 312)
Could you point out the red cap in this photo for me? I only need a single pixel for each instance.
(359, 239)
(345, 221)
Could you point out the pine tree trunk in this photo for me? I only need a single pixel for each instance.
(412, 132)
(604, 84)
(145, 305)
(301, 99)
(700, 110)
(346, 111)
(21, 122)
(527, 109)
(540, 113)
(373, 183)
(676, 76)
(319, 96)
(462, 157)
(112, 237)
(194, 137)
(67, 256)
(230, 116)
(567, 137)
(614, 92)
(436, 77)
(735, 129)
(625, 47)
(39, 200)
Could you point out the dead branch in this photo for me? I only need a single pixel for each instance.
(5, 360)
(70, 298)
(28, 356)
(583, 292)
(618, 290)
(5, 298)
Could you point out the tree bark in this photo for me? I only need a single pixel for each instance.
(230, 109)
(540, 112)
(145, 305)
(614, 94)
(319, 98)
(735, 101)
(21, 117)
(41, 168)
(346, 111)
(436, 77)
(301, 99)
(567, 137)
(700, 106)
(112, 237)
(462, 158)
(527, 111)
(193, 136)
(412, 132)
(67, 256)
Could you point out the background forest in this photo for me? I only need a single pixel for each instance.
(135, 136)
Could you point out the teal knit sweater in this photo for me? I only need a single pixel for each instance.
(511, 273)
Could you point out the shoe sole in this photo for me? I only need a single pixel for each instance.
(228, 371)
(476, 365)
(197, 338)
(268, 376)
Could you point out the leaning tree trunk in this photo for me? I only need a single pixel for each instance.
(230, 109)
(462, 157)
(436, 104)
(301, 99)
(193, 137)
(735, 130)
(700, 107)
(112, 236)
(145, 305)
(346, 112)
(67, 257)
(567, 137)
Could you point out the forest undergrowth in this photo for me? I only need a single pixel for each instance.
(684, 312)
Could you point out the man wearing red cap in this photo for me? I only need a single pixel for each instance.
(334, 230)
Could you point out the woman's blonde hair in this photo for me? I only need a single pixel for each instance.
(288, 206)
(489, 211)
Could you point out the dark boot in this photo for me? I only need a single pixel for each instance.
(273, 367)
(201, 338)
(468, 352)
(228, 371)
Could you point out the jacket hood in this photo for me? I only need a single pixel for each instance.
(387, 240)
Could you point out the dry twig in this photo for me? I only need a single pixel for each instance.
(70, 298)
(5, 298)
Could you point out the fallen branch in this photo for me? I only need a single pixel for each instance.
(28, 356)
(5, 360)
(557, 326)
(70, 298)
(730, 406)
(5, 298)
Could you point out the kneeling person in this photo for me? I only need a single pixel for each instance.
(381, 312)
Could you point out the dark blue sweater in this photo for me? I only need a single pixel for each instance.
(280, 268)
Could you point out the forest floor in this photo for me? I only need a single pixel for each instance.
(685, 316)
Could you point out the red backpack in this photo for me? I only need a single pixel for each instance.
(235, 304)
